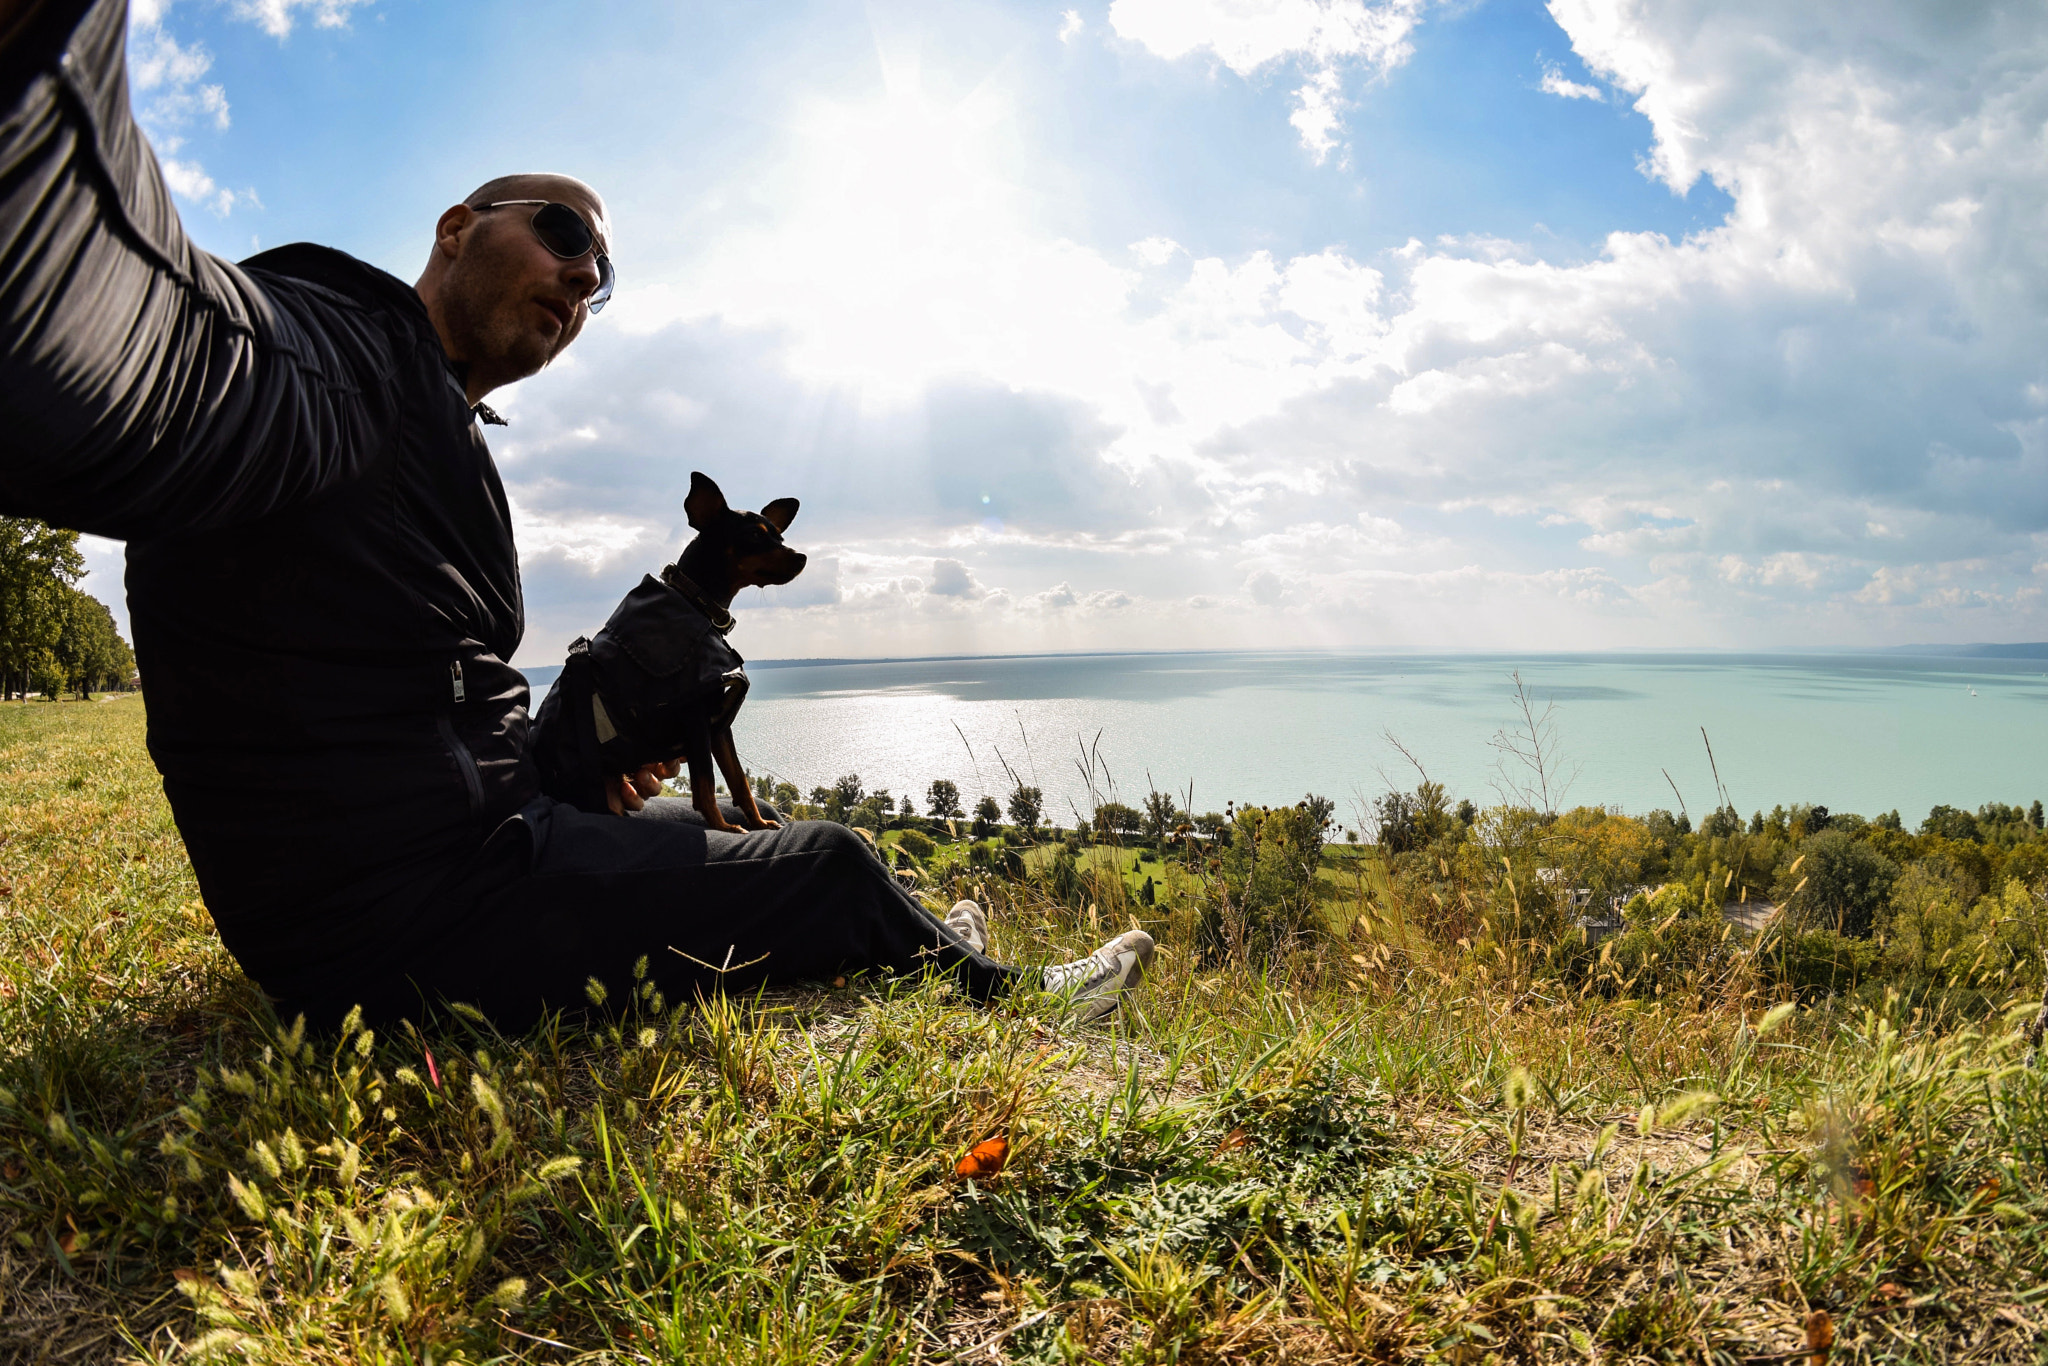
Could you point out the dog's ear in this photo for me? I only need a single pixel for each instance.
(704, 501)
(780, 513)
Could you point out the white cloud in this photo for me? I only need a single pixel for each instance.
(589, 542)
(189, 180)
(1071, 25)
(1555, 82)
(276, 17)
(1246, 35)
(157, 62)
(951, 579)
(1055, 598)
(1324, 38)
(1820, 421)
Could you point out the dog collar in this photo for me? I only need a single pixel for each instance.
(720, 618)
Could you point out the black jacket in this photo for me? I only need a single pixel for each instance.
(657, 681)
(321, 574)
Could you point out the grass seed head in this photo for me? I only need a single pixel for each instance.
(1518, 1092)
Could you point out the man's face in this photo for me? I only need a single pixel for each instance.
(511, 305)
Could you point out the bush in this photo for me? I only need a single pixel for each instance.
(1408, 822)
(1063, 880)
(1937, 940)
(917, 844)
(1847, 883)
(1674, 940)
(1265, 896)
(1821, 961)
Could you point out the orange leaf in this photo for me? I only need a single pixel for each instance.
(68, 1244)
(1989, 1190)
(984, 1159)
(1234, 1139)
(1820, 1336)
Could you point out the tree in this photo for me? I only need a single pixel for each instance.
(1950, 823)
(942, 799)
(1323, 811)
(840, 799)
(38, 567)
(1848, 883)
(89, 651)
(1115, 818)
(987, 816)
(1722, 822)
(1162, 816)
(872, 812)
(1530, 772)
(1025, 805)
(1406, 821)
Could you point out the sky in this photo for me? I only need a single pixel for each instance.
(1348, 324)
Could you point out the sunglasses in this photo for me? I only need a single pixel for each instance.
(562, 231)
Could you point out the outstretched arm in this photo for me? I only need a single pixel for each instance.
(145, 386)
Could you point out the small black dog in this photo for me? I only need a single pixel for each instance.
(659, 682)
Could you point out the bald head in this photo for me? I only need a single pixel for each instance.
(563, 189)
(504, 305)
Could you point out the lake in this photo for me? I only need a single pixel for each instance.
(1865, 733)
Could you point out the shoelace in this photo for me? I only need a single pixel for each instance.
(964, 926)
(1061, 976)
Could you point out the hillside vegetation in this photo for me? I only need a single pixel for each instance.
(1398, 1102)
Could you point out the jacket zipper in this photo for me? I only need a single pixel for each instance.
(464, 760)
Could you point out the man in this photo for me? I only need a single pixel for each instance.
(324, 592)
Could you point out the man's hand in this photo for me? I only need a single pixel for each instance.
(630, 791)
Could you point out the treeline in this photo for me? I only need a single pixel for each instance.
(1799, 898)
(53, 637)
(1822, 901)
(848, 802)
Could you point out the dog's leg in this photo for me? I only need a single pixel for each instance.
(736, 780)
(704, 786)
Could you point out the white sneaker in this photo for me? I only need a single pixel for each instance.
(967, 921)
(1094, 986)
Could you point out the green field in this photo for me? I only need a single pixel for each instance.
(1364, 1145)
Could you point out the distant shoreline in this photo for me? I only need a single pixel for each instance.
(547, 673)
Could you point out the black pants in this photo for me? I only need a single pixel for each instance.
(710, 911)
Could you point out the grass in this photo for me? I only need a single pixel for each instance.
(1347, 1155)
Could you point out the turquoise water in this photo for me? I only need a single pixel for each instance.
(1864, 733)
